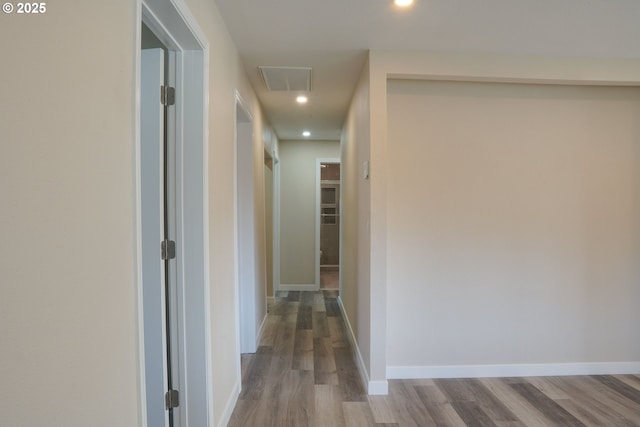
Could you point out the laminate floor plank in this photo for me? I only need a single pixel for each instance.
(328, 405)
(320, 324)
(547, 386)
(349, 376)
(456, 390)
(472, 390)
(337, 332)
(293, 296)
(358, 414)
(631, 380)
(408, 407)
(554, 412)
(490, 404)
(472, 414)
(304, 373)
(303, 350)
(590, 404)
(438, 406)
(381, 409)
(318, 303)
(331, 306)
(257, 366)
(619, 387)
(324, 364)
(444, 415)
(517, 404)
(613, 400)
(270, 331)
(304, 320)
(255, 413)
(590, 417)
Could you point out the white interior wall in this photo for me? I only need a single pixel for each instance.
(68, 217)
(513, 232)
(297, 208)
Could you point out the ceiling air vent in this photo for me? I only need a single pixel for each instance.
(293, 79)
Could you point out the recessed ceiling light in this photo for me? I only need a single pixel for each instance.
(302, 99)
(403, 3)
(306, 133)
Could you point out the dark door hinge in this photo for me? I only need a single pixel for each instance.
(172, 399)
(167, 249)
(167, 95)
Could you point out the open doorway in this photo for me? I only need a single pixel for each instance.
(328, 223)
(172, 216)
(252, 297)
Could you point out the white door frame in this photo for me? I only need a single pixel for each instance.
(246, 272)
(319, 161)
(172, 22)
(276, 222)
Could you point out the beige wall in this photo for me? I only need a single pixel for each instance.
(451, 67)
(513, 232)
(68, 320)
(297, 207)
(354, 269)
(68, 141)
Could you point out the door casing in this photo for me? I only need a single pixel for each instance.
(175, 26)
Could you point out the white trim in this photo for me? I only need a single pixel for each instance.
(263, 326)
(276, 221)
(247, 274)
(271, 300)
(205, 238)
(142, 389)
(378, 388)
(179, 31)
(373, 387)
(307, 287)
(519, 370)
(230, 406)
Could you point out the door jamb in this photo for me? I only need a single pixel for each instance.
(245, 298)
(172, 21)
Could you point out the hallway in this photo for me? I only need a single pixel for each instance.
(304, 374)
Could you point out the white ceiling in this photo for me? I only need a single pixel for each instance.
(333, 36)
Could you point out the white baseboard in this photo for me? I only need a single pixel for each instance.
(230, 406)
(261, 330)
(378, 388)
(271, 300)
(372, 387)
(497, 371)
(307, 287)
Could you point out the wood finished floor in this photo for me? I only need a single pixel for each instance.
(329, 278)
(303, 374)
